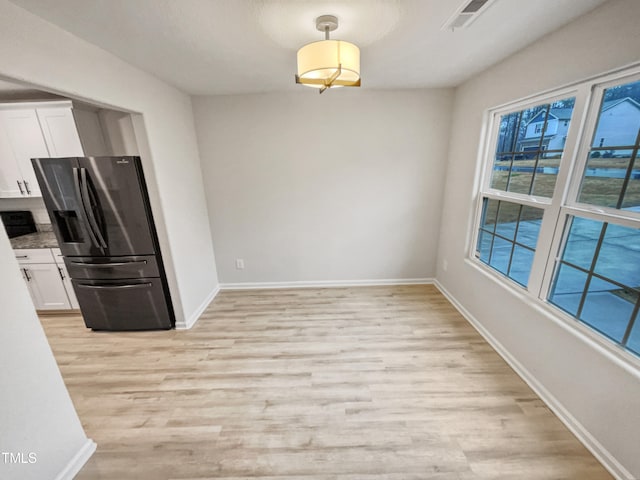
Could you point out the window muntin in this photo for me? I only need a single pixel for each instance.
(508, 237)
(526, 160)
(597, 278)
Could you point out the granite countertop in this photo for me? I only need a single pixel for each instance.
(35, 240)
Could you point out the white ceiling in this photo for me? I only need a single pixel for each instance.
(245, 46)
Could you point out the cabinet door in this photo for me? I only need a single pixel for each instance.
(9, 172)
(26, 140)
(60, 132)
(45, 286)
(73, 301)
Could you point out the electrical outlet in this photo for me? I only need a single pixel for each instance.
(239, 264)
(445, 264)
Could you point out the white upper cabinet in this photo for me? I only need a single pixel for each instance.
(43, 129)
(60, 132)
(22, 131)
(10, 176)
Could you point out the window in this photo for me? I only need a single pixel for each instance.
(559, 206)
(525, 167)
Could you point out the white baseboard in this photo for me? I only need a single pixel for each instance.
(325, 283)
(77, 461)
(191, 321)
(593, 445)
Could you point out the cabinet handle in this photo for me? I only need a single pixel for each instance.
(26, 274)
(20, 187)
(61, 273)
(26, 186)
(22, 256)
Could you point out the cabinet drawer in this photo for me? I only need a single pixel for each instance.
(57, 255)
(34, 255)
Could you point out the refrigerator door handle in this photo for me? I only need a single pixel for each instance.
(114, 287)
(83, 213)
(92, 218)
(107, 265)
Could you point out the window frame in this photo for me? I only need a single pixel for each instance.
(562, 204)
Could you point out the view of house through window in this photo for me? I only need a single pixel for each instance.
(593, 249)
(526, 162)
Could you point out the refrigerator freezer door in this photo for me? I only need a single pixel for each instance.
(113, 190)
(123, 304)
(59, 182)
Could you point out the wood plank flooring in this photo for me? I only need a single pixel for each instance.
(316, 384)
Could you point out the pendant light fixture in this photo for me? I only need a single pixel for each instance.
(328, 63)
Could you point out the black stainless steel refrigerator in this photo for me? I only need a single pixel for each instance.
(100, 212)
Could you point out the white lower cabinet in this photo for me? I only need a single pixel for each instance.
(73, 301)
(47, 279)
(46, 286)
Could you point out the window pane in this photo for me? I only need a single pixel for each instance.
(521, 176)
(612, 175)
(508, 219)
(607, 308)
(489, 213)
(619, 117)
(501, 169)
(603, 288)
(544, 180)
(495, 245)
(507, 134)
(529, 226)
(604, 178)
(633, 343)
(532, 124)
(528, 141)
(521, 264)
(484, 245)
(500, 254)
(619, 257)
(631, 199)
(568, 288)
(582, 242)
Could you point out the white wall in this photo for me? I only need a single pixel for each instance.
(596, 391)
(44, 55)
(119, 132)
(36, 413)
(346, 185)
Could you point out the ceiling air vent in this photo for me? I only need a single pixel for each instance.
(466, 14)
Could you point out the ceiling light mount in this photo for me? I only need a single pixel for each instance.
(326, 24)
(328, 63)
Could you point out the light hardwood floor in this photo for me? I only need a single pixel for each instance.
(323, 384)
